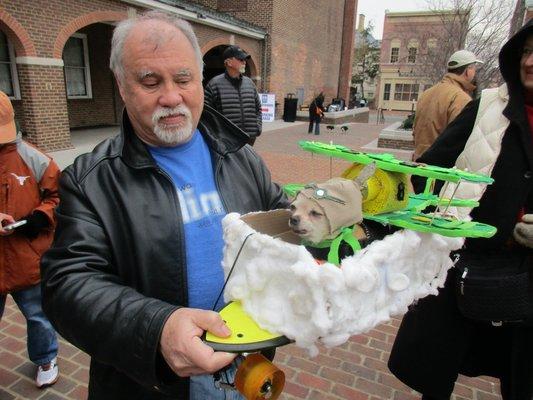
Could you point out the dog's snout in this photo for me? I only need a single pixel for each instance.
(294, 220)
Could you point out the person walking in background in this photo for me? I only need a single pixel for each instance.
(490, 332)
(28, 194)
(234, 95)
(316, 112)
(135, 269)
(440, 104)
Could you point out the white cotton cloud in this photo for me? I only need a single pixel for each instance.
(285, 291)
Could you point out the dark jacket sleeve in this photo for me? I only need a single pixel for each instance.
(259, 113)
(210, 96)
(86, 300)
(272, 194)
(449, 145)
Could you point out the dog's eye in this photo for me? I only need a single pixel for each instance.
(292, 207)
(314, 213)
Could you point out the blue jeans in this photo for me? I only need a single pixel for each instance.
(202, 387)
(42, 340)
(316, 121)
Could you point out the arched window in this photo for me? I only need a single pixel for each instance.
(77, 72)
(395, 50)
(432, 43)
(412, 49)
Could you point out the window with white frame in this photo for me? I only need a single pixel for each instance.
(77, 72)
(406, 91)
(8, 69)
(411, 58)
(395, 51)
(412, 51)
(386, 92)
(394, 54)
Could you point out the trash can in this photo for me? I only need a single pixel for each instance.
(289, 108)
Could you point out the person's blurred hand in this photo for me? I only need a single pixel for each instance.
(523, 231)
(182, 347)
(5, 219)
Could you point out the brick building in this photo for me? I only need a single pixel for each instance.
(523, 12)
(414, 50)
(55, 53)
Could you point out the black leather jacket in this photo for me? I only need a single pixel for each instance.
(117, 268)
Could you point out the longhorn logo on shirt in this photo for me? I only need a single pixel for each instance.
(21, 179)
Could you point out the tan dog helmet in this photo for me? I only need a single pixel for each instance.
(339, 199)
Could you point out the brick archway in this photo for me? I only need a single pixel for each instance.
(252, 62)
(16, 33)
(81, 22)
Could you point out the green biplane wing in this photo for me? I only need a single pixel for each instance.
(435, 224)
(388, 162)
(412, 217)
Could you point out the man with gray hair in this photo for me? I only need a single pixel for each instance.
(136, 264)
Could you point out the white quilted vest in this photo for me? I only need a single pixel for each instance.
(481, 150)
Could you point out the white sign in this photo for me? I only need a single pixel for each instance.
(268, 106)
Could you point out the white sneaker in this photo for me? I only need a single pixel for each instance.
(47, 375)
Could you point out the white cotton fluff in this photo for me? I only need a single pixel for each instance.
(285, 291)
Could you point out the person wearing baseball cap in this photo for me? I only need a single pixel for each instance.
(8, 129)
(234, 95)
(29, 186)
(441, 103)
(462, 58)
(235, 52)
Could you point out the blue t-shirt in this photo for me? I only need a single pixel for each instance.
(190, 167)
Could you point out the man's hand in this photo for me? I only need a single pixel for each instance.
(523, 231)
(183, 349)
(5, 219)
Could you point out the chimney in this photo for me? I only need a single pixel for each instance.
(361, 24)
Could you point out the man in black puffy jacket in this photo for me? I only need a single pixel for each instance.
(235, 95)
(135, 267)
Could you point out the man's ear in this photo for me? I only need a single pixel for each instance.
(120, 86)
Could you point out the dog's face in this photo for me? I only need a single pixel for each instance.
(308, 220)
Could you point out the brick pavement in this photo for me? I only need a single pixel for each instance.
(356, 370)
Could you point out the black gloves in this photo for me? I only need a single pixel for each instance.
(35, 223)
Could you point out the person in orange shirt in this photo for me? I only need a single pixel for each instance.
(29, 182)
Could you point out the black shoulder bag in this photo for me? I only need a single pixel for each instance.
(495, 288)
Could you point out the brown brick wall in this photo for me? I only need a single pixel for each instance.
(210, 37)
(44, 20)
(43, 26)
(302, 50)
(100, 109)
(303, 46)
(347, 51)
(45, 107)
(306, 47)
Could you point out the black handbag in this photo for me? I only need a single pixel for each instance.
(495, 288)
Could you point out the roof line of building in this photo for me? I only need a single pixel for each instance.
(424, 13)
(202, 16)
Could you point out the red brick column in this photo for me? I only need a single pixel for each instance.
(347, 49)
(45, 106)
